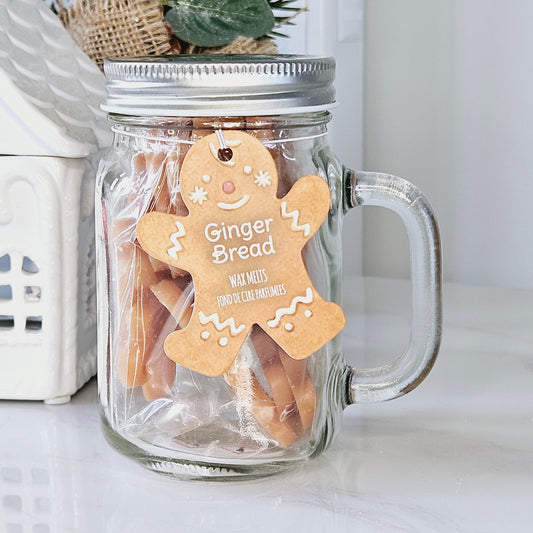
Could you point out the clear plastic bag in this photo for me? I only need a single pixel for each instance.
(266, 402)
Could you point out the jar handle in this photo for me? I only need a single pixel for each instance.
(409, 369)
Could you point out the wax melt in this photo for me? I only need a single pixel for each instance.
(156, 298)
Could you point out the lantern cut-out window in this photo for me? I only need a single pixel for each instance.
(5, 263)
(28, 266)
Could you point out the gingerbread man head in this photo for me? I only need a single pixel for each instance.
(229, 178)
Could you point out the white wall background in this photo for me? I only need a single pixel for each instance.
(335, 28)
(449, 105)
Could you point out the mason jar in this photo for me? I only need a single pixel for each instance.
(219, 216)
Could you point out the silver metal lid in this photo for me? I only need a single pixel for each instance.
(218, 84)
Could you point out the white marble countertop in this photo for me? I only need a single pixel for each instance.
(456, 454)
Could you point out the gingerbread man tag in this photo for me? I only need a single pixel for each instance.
(243, 247)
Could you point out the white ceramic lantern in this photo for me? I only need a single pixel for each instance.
(51, 130)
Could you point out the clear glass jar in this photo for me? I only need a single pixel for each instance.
(266, 409)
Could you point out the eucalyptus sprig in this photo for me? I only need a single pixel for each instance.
(211, 23)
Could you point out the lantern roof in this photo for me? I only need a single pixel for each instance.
(50, 90)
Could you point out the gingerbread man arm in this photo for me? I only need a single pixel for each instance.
(163, 236)
(306, 205)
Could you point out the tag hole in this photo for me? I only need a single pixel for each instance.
(225, 154)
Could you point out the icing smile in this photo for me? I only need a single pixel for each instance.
(234, 205)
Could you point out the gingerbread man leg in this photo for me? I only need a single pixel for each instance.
(207, 345)
(300, 329)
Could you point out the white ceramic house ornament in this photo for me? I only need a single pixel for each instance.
(51, 129)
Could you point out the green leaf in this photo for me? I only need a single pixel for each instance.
(282, 4)
(218, 22)
(284, 13)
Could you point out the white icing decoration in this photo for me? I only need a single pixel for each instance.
(280, 313)
(174, 239)
(262, 179)
(205, 335)
(223, 341)
(289, 326)
(247, 170)
(215, 319)
(308, 313)
(198, 196)
(295, 215)
(223, 143)
(234, 205)
(206, 178)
